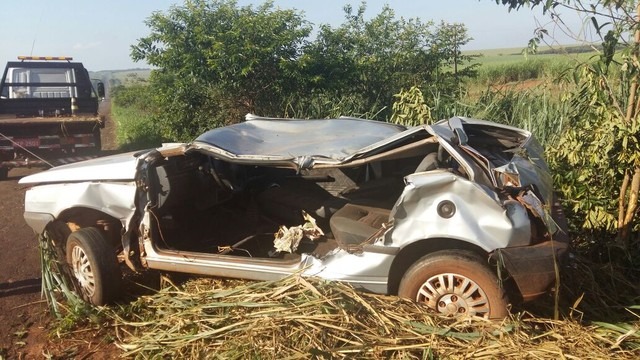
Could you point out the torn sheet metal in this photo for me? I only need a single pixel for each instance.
(521, 172)
(368, 270)
(301, 144)
(529, 200)
(524, 169)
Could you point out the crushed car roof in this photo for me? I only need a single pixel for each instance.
(267, 139)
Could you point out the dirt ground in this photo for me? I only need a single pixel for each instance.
(25, 324)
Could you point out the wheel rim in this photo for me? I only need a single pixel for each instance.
(82, 271)
(454, 294)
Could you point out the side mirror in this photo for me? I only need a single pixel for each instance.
(100, 88)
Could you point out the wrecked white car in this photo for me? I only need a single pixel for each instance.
(458, 215)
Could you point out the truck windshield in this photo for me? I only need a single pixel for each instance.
(39, 83)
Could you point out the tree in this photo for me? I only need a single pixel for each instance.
(378, 58)
(375, 58)
(212, 56)
(599, 154)
(449, 40)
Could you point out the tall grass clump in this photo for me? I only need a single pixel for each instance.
(538, 111)
(132, 110)
(506, 73)
(535, 110)
(527, 69)
(61, 290)
(328, 105)
(136, 129)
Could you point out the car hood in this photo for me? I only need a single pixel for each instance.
(109, 168)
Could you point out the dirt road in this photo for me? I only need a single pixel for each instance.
(22, 314)
(25, 323)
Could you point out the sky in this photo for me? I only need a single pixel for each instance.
(100, 33)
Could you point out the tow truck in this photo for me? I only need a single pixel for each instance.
(48, 113)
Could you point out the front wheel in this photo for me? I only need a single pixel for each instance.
(455, 283)
(94, 265)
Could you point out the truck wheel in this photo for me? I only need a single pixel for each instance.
(94, 265)
(4, 172)
(98, 141)
(455, 283)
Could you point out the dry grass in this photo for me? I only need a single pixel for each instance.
(310, 318)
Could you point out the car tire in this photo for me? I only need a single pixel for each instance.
(94, 266)
(455, 282)
(4, 173)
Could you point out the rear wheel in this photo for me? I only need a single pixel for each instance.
(97, 141)
(94, 265)
(455, 283)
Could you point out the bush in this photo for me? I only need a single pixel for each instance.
(137, 96)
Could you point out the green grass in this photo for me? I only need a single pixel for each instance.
(530, 69)
(503, 66)
(135, 129)
(515, 55)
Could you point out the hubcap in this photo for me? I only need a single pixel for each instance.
(82, 271)
(454, 294)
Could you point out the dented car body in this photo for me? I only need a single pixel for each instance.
(459, 214)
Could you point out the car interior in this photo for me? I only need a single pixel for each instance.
(207, 205)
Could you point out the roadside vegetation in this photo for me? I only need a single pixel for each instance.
(132, 109)
(215, 61)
